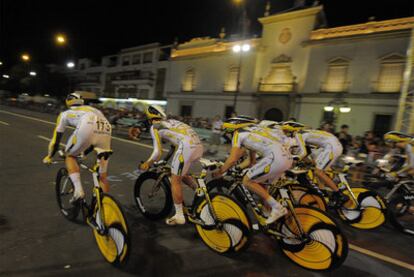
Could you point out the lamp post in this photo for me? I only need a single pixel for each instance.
(240, 48)
(337, 107)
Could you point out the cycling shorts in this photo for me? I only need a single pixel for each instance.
(185, 155)
(325, 157)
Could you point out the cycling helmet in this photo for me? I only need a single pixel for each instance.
(292, 126)
(234, 123)
(74, 99)
(395, 137)
(155, 112)
(269, 123)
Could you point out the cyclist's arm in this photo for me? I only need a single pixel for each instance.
(57, 135)
(300, 143)
(157, 152)
(235, 154)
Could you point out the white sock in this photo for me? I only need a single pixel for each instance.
(179, 210)
(75, 178)
(273, 203)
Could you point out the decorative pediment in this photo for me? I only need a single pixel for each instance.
(339, 61)
(392, 58)
(282, 59)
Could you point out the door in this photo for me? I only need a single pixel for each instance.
(382, 124)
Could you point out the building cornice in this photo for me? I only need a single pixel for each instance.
(290, 15)
(363, 29)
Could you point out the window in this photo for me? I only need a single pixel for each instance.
(231, 82)
(136, 59)
(147, 57)
(336, 77)
(113, 61)
(391, 73)
(126, 60)
(188, 83)
(280, 77)
(186, 110)
(160, 83)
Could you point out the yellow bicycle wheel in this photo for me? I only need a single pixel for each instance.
(114, 245)
(303, 196)
(370, 214)
(323, 246)
(233, 235)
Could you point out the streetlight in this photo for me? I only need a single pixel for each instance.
(345, 109)
(328, 108)
(70, 64)
(60, 39)
(25, 57)
(5, 76)
(1, 63)
(32, 73)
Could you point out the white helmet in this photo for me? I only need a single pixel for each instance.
(74, 99)
(269, 123)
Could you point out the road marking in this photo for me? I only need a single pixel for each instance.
(381, 257)
(53, 123)
(4, 123)
(48, 139)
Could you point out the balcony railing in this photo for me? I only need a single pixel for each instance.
(277, 87)
(335, 87)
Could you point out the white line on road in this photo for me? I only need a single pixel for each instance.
(4, 123)
(48, 139)
(52, 123)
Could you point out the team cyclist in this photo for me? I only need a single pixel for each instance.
(188, 149)
(93, 132)
(329, 149)
(275, 159)
(398, 140)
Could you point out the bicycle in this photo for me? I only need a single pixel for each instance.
(307, 236)
(103, 214)
(220, 221)
(365, 208)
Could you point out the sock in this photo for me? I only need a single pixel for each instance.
(75, 178)
(179, 210)
(273, 203)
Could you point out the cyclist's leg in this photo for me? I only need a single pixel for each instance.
(196, 154)
(177, 167)
(323, 161)
(102, 143)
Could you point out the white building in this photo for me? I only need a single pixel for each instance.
(137, 72)
(296, 69)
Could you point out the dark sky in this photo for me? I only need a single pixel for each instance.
(99, 27)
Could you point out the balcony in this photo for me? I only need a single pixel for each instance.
(133, 77)
(277, 87)
(335, 87)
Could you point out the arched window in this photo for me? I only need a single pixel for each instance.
(336, 79)
(231, 81)
(390, 74)
(189, 78)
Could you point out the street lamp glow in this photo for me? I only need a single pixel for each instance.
(60, 39)
(25, 57)
(1, 63)
(70, 65)
(246, 47)
(236, 48)
(328, 108)
(345, 109)
(32, 73)
(46, 95)
(5, 76)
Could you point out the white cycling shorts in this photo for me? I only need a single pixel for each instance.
(184, 157)
(324, 158)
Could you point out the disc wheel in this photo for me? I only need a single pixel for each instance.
(306, 197)
(153, 198)
(371, 211)
(401, 213)
(232, 233)
(322, 247)
(114, 244)
(64, 191)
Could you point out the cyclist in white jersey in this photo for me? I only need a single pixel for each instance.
(92, 132)
(275, 159)
(405, 142)
(188, 149)
(329, 149)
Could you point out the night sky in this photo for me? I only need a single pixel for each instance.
(98, 27)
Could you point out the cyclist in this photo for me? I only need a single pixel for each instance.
(276, 159)
(93, 132)
(329, 149)
(188, 149)
(398, 140)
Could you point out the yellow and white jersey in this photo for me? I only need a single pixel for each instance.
(409, 151)
(258, 139)
(319, 138)
(75, 115)
(175, 132)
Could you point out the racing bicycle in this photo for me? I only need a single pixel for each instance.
(102, 213)
(220, 221)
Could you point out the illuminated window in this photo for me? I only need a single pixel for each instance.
(337, 76)
(231, 81)
(189, 77)
(391, 73)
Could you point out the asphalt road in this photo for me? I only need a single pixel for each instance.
(35, 240)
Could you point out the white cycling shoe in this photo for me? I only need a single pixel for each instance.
(175, 220)
(275, 214)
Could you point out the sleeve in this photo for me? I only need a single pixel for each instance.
(300, 142)
(237, 140)
(57, 134)
(156, 142)
(409, 149)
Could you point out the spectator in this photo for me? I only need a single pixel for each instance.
(344, 137)
(215, 139)
(368, 138)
